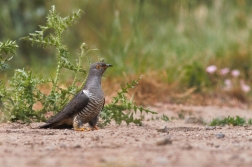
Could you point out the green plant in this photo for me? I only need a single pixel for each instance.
(6, 47)
(120, 103)
(165, 118)
(181, 114)
(195, 76)
(235, 121)
(24, 93)
(250, 121)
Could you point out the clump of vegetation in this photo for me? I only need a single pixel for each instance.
(195, 76)
(250, 121)
(6, 47)
(234, 121)
(23, 93)
(120, 103)
(163, 118)
(232, 81)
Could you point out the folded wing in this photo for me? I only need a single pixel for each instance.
(64, 118)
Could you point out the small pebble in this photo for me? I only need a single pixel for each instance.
(77, 146)
(219, 135)
(248, 128)
(164, 141)
(210, 128)
(50, 148)
(51, 133)
(63, 146)
(163, 129)
(161, 160)
(95, 138)
(27, 143)
(8, 131)
(136, 139)
(20, 121)
(186, 146)
(66, 132)
(210, 144)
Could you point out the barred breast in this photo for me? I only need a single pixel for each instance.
(93, 107)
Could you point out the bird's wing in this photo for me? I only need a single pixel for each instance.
(78, 102)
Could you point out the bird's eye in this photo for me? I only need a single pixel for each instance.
(98, 66)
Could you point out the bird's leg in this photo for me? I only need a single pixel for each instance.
(78, 125)
(93, 123)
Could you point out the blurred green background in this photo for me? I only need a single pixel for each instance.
(175, 39)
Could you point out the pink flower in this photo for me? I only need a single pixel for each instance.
(235, 73)
(224, 71)
(244, 87)
(227, 84)
(211, 69)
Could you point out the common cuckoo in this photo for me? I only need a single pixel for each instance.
(85, 105)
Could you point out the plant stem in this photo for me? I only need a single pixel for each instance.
(57, 72)
(83, 52)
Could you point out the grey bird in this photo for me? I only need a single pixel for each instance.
(85, 105)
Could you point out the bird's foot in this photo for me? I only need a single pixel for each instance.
(82, 129)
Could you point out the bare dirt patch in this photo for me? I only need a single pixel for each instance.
(179, 144)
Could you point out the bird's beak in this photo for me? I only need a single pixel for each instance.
(108, 65)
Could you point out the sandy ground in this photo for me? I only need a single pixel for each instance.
(179, 144)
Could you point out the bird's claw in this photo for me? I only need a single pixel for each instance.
(86, 129)
(82, 129)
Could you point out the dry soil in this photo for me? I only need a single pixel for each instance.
(180, 142)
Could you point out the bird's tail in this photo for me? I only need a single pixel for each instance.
(55, 126)
(45, 126)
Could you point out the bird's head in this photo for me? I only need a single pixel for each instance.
(99, 68)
